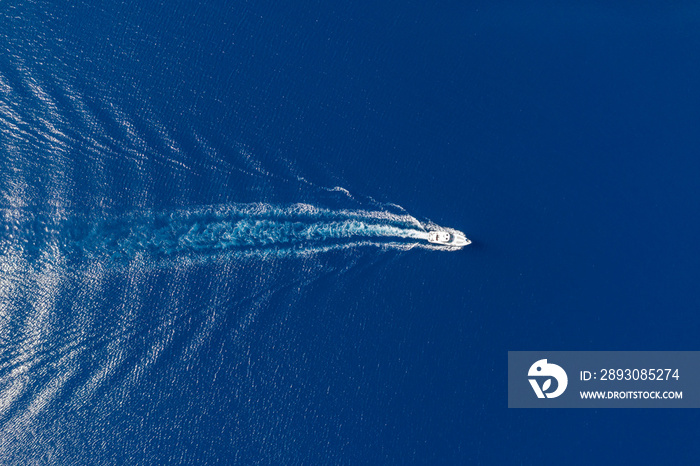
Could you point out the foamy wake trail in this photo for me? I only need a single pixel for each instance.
(209, 232)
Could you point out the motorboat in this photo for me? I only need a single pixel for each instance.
(447, 238)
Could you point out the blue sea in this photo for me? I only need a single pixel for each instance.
(213, 223)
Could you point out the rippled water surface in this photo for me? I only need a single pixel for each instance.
(174, 238)
(214, 221)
